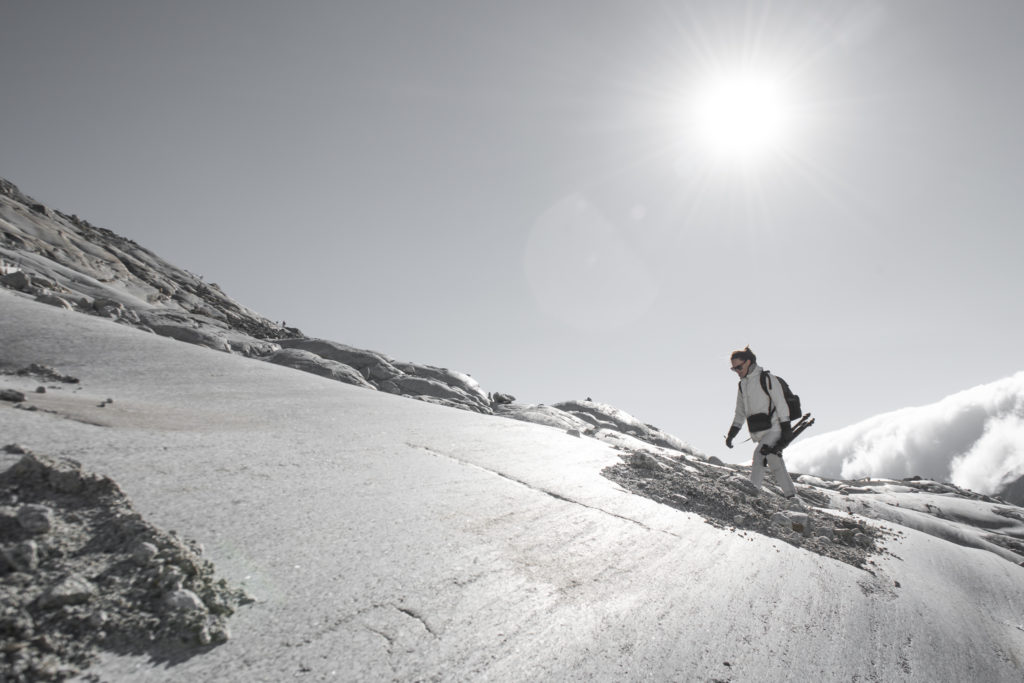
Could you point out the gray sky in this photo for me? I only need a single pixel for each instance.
(512, 189)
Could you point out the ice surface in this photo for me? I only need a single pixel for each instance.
(392, 539)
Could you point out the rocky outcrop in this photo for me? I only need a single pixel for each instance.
(307, 361)
(545, 415)
(604, 416)
(65, 261)
(410, 385)
(451, 378)
(407, 379)
(374, 366)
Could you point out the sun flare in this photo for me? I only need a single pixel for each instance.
(741, 117)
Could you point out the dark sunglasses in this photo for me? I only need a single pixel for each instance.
(737, 368)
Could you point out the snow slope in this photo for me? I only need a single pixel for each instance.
(388, 539)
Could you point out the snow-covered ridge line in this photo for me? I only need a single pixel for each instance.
(65, 261)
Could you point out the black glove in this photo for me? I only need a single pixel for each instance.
(787, 433)
(733, 431)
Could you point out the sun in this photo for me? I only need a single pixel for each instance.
(741, 116)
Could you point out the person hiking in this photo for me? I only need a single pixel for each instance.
(767, 417)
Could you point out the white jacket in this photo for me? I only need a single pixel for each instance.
(751, 399)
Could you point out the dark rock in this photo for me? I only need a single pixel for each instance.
(73, 590)
(46, 372)
(35, 519)
(18, 280)
(11, 395)
(502, 399)
(23, 557)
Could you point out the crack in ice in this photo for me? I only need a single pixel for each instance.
(553, 494)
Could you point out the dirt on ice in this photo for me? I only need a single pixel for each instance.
(81, 571)
(725, 497)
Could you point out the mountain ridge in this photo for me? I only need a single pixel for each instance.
(116, 278)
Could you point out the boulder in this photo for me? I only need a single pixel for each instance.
(11, 395)
(184, 600)
(144, 553)
(35, 519)
(22, 557)
(73, 590)
(18, 280)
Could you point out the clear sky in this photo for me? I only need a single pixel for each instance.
(527, 191)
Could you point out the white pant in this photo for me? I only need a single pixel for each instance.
(768, 439)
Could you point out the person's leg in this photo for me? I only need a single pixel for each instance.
(782, 478)
(757, 468)
(767, 439)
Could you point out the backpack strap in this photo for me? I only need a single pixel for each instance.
(766, 380)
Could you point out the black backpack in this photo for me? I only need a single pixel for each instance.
(792, 400)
